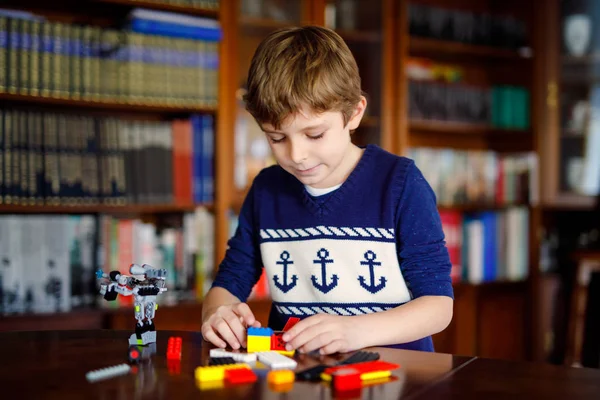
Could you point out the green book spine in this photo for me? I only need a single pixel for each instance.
(25, 57)
(3, 52)
(36, 54)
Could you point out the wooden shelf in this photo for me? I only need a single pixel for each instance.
(98, 209)
(589, 59)
(571, 201)
(480, 207)
(103, 106)
(197, 11)
(360, 36)
(369, 122)
(492, 284)
(461, 128)
(434, 47)
(264, 23)
(590, 254)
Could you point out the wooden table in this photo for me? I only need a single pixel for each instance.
(53, 364)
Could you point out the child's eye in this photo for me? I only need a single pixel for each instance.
(273, 140)
(319, 136)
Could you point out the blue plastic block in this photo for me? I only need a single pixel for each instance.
(260, 331)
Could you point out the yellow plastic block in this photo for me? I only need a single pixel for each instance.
(367, 376)
(281, 376)
(259, 343)
(286, 353)
(210, 385)
(216, 372)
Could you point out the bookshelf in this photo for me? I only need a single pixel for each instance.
(104, 106)
(163, 6)
(99, 209)
(381, 39)
(474, 66)
(436, 47)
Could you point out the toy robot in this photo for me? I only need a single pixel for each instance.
(144, 284)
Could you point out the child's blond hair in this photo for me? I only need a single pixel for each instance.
(309, 66)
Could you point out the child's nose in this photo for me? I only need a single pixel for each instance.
(298, 151)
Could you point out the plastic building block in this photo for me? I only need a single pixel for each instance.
(290, 323)
(312, 374)
(238, 357)
(286, 353)
(277, 342)
(346, 379)
(134, 355)
(221, 361)
(210, 385)
(109, 372)
(174, 348)
(144, 284)
(174, 366)
(365, 369)
(276, 361)
(260, 332)
(216, 372)
(142, 339)
(259, 339)
(258, 343)
(243, 375)
(360, 356)
(281, 377)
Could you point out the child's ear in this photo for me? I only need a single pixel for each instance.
(359, 111)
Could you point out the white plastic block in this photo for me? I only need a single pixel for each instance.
(108, 372)
(239, 357)
(275, 360)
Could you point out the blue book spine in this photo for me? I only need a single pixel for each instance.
(196, 121)
(489, 245)
(2, 180)
(175, 30)
(207, 158)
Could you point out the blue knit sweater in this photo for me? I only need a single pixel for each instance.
(371, 245)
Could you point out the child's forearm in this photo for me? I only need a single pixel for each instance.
(414, 320)
(216, 297)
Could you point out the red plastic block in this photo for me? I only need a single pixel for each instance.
(174, 366)
(277, 342)
(365, 367)
(242, 375)
(290, 323)
(174, 348)
(346, 379)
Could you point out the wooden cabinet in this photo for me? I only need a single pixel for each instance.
(571, 141)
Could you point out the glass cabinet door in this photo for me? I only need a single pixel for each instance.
(257, 18)
(360, 23)
(579, 139)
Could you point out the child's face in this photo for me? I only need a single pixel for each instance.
(316, 148)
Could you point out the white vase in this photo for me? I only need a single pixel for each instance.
(577, 32)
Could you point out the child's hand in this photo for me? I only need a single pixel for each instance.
(227, 325)
(329, 333)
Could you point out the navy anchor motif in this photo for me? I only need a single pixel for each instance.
(285, 261)
(323, 260)
(370, 257)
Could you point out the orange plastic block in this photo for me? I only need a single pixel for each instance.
(281, 376)
(174, 348)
